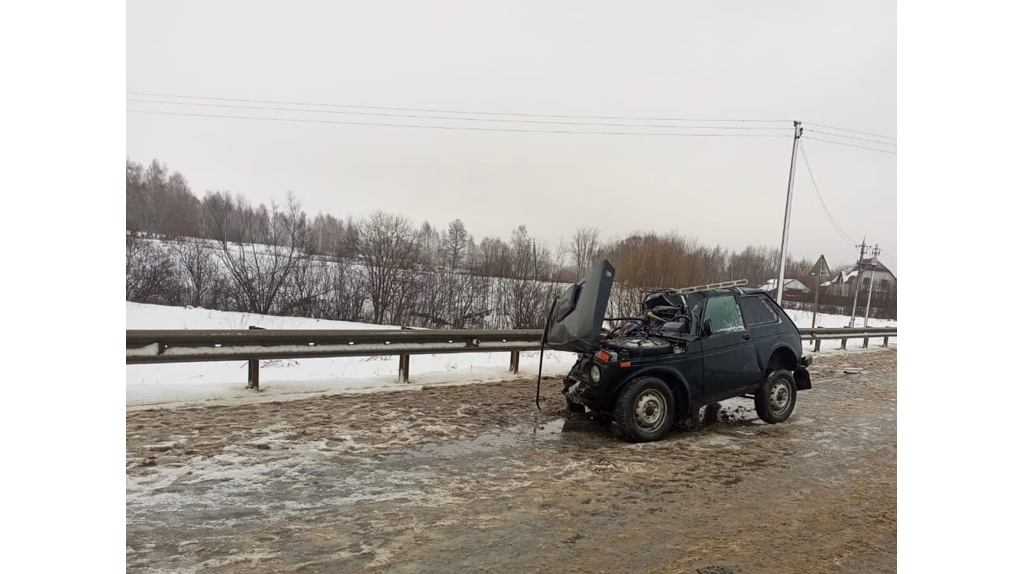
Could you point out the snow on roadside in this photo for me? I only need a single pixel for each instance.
(179, 384)
(803, 321)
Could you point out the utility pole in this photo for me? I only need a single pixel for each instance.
(819, 270)
(817, 285)
(535, 273)
(856, 283)
(797, 131)
(871, 285)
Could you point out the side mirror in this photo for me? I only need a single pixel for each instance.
(705, 329)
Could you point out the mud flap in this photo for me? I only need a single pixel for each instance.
(803, 379)
(692, 420)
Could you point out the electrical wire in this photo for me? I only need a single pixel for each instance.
(821, 199)
(453, 128)
(849, 145)
(432, 117)
(849, 137)
(473, 113)
(849, 130)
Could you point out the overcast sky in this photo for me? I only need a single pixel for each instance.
(831, 63)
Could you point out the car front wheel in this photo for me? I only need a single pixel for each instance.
(776, 399)
(645, 409)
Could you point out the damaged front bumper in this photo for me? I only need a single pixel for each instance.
(574, 393)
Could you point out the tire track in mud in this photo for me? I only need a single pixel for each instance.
(473, 478)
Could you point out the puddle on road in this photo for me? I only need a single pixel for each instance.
(521, 435)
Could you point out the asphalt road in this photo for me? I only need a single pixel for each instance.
(474, 479)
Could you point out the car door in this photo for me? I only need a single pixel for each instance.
(730, 359)
(763, 323)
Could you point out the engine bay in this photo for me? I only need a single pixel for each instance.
(666, 321)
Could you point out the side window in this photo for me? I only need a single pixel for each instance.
(756, 311)
(724, 314)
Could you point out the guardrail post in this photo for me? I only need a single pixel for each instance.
(513, 365)
(865, 342)
(844, 344)
(403, 368)
(817, 345)
(403, 364)
(885, 341)
(254, 368)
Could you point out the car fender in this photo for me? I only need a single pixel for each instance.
(673, 377)
(787, 348)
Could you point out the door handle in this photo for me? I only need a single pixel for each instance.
(746, 336)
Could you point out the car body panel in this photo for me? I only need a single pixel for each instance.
(578, 313)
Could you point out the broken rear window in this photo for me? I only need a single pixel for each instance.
(756, 311)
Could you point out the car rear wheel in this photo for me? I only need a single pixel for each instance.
(776, 399)
(645, 410)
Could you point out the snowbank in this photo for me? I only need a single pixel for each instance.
(184, 383)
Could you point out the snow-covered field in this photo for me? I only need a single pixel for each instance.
(216, 382)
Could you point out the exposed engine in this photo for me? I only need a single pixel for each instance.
(657, 332)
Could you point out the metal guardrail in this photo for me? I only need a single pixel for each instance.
(183, 345)
(844, 334)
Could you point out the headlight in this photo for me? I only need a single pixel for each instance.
(595, 374)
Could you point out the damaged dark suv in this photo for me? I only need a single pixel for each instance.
(692, 347)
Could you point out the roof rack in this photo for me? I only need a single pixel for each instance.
(722, 285)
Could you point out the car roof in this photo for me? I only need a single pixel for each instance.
(697, 297)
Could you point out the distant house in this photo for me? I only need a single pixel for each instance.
(791, 285)
(850, 280)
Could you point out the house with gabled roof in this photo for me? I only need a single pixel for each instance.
(851, 279)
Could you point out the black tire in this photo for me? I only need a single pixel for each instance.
(758, 406)
(776, 399)
(645, 410)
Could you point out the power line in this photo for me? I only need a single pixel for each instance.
(453, 128)
(850, 145)
(433, 117)
(851, 131)
(473, 113)
(828, 213)
(850, 137)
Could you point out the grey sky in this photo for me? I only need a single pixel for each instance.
(831, 63)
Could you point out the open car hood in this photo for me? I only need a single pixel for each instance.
(578, 314)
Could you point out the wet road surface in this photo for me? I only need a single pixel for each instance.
(474, 479)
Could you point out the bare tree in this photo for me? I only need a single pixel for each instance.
(347, 300)
(219, 214)
(197, 268)
(583, 249)
(523, 297)
(149, 273)
(268, 248)
(454, 245)
(306, 290)
(495, 258)
(388, 253)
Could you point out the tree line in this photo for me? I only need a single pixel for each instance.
(223, 252)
